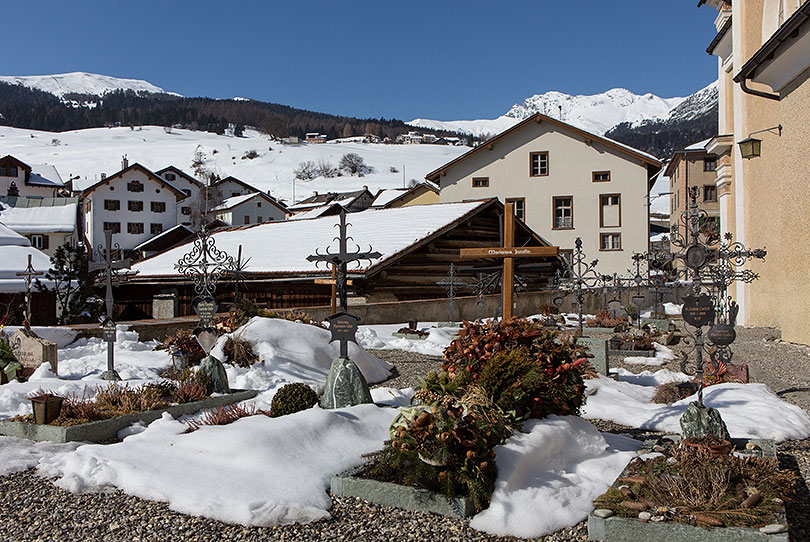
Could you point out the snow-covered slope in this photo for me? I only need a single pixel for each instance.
(88, 153)
(595, 113)
(80, 83)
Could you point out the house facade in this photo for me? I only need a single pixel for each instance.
(191, 187)
(763, 55)
(135, 203)
(256, 208)
(565, 183)
(41, 180)
(693, 166)
(47, 223)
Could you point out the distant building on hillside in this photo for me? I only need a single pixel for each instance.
(565, 183)
(420, 194)
(38, 180)
(315, 137)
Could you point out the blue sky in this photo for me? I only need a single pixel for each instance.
(435, 59)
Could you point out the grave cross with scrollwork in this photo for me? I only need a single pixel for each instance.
(29, 274)
(342, 324)
(110, 266)
(579, 278)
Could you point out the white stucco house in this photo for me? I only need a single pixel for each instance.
(256, 208)
(135, 203)
(21, 179)
(47, 223)
(565, 183)
(193, 188)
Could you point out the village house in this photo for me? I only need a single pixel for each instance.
(230, 187)
(314, 137)
(693, 166)
(565, 183)
(191, 187)
(135, 203)
(354, 201)
(763, 54)
(47, 223)
(255, 208)
(417, 245)
(40, 180)
(419, 194)
(15, 250)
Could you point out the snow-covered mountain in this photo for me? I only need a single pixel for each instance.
(80, 83)
(596, 113)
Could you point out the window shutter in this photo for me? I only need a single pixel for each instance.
(44, 241)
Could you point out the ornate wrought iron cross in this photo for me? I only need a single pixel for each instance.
(29, 273)
(204, 264)
(342, 258)
(109, 266)
(451, 284)
(579, 278)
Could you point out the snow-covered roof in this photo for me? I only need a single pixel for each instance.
(39, 215)
(230, 203)
(699, 146)
(14, 251)
(314, 212)
(167, 233)
(386, 196)
(282, 247)
(45, 175)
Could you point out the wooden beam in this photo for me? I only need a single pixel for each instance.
(509, 263)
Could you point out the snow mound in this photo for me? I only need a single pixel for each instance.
(20, 454)
(558, 466)
(257, 471)
(749, 410)
(662, 355)
(293, 352)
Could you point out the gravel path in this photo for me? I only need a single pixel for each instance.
(33, 509)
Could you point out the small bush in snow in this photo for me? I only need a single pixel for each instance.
(250, 155)
(223, 416)
(239, 352)
(306, 170)
(292, 398)
(354, 164)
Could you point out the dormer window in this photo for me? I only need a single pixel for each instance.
(135, 186)
(170, 176)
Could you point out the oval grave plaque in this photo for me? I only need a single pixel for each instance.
(697, 311)
(722, 334)
(638, 300)
(695, 256)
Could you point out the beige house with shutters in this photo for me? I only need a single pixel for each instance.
(763, 57)
(565, 183)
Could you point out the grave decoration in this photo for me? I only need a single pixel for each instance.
(579, 278)
(204, 264)
(110, 267)
(28, 350)
(452, 283)
(239, 274)
(508, 252)
(345, 385)
(707, 262)
(495, 375)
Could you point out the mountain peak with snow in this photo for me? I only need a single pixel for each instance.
(596, 113)
(80, 83)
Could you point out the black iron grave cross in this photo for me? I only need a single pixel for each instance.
(342, 324)
(29, 273)
(109, 266)
(579, 278)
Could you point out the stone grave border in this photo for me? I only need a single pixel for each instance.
(399, 496)
(621, 529)
(633, 353)
(104, 430)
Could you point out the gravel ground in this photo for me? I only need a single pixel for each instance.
(33, 509)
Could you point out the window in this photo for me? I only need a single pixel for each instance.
(135, 227)
(480, 182)
(520, 207)
(601, 176)
(709, 193)
(710, 225)
(155, 229)
(135, 206)
(538, 164)
(234, 194)
(39, 241)
(258, 220)
(135, 186)
(247, 220)
(709, 164)
(610, 241)
(110, 205)
(169, 176)
(259, 204)
(187, 192)
(88, 206)
(185, 211)
(12, 171)
(158, 206)
(610, 210)
(114, 227)
(563, 212)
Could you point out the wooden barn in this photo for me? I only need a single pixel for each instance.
(417, 245)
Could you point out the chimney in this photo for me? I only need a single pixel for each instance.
(365, 187)
(13, 191)
(124, 162)
(103, 176)
(314, 192)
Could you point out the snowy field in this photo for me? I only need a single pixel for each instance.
(267, 471)
(88, 153)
